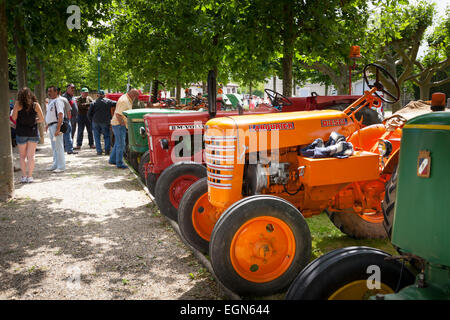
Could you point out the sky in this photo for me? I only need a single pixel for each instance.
(441, 6)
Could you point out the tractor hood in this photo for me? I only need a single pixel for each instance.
(287, 128)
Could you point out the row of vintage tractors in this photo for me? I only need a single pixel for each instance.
(240, 184)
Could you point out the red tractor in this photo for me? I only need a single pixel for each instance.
(176, 147)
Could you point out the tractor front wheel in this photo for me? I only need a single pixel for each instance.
(196, 216)
(133, 158)
(150, 182)
(145, 158)
(352, 273)
(259, 245)
(173, 183)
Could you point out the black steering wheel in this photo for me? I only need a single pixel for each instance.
(277, 99)
(382, 74)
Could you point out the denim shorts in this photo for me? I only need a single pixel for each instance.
(23, 140)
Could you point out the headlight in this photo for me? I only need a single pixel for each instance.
(385, 147)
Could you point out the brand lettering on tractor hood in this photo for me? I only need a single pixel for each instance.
(271, 126)
(334, 122)
(186, 126)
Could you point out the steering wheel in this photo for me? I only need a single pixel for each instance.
(382, 73)
(277, 99)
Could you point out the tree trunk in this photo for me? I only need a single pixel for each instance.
(274, 83)
(250, 89)
(424, 91)
(21, 55)
(6, 159)
(203, 87)
(288, 48)
(178, 94)
(40, 94)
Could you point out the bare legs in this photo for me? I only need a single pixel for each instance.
(27, 151)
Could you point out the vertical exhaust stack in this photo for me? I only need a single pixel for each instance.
(212, 94)
(438, 101)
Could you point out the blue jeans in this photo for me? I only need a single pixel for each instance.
(68, 142)
(83, 122)
(97, 130)
(59, 160)
(116, 157)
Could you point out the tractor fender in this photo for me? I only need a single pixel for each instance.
(367, 137)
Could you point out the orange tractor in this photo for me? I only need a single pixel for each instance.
(250, 211)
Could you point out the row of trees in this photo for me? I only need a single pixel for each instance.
(178, 41)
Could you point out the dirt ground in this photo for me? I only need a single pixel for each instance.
(92, 233)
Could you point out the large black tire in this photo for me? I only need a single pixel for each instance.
(133, 159)
(150, 182)
(388, 203)
(283, 219)
(187, 214)
(173, 183)
(323, 278)
(369, 116)
(145, 158)
(356, 227)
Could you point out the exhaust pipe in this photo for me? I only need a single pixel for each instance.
(212, 94)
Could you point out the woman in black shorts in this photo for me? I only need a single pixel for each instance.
(27, 113)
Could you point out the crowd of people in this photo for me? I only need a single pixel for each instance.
(65, 114)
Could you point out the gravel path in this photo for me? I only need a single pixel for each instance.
(92, 233)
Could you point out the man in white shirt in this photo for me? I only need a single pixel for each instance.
(54, 119)
(67, 138)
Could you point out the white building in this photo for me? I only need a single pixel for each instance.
(306, 90)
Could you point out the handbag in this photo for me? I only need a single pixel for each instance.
(64, 125)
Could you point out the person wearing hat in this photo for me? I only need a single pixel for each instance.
(100, 115)
(84, 101)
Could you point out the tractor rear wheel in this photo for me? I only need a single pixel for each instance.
(259, 245)
(388, 203)
(145, 158)
(173, 183)
(196, 216)
(352, 273)
(359, 226)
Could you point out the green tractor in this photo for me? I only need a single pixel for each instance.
(419, 230)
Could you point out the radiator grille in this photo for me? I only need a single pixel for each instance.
(220, 159)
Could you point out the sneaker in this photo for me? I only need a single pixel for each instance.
(107, 153)
(77, 148)
(92, 147)
(30, 179)
(50, 168)
(73, 152)
(99, 153)
(122, 167)
(23, 180)
(58, 170)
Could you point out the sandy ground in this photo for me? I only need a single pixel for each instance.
(92, 233)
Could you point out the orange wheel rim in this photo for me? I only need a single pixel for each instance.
(203, 217)
(262, 249)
